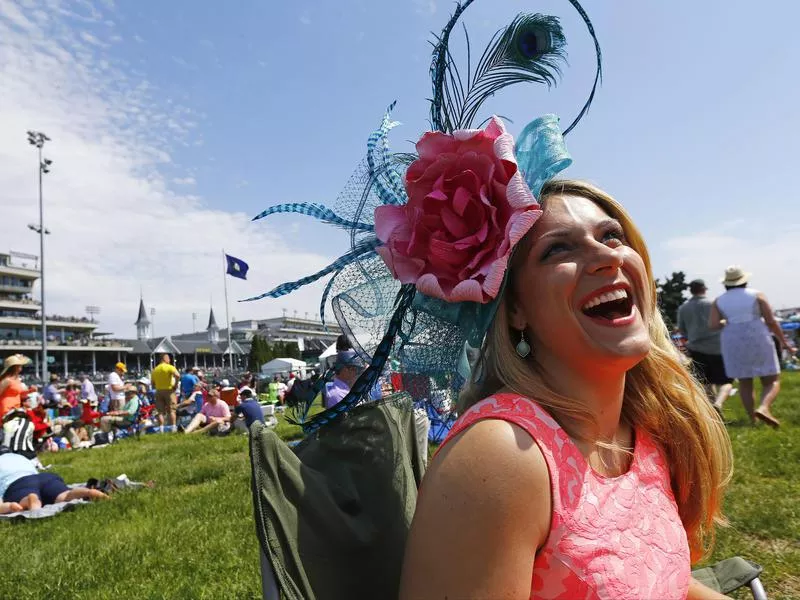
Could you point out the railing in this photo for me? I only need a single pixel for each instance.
(72, 343)
(26, 289)
(20, 301)
(56, 318)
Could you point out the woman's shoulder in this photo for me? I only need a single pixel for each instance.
(493, 463)
(496, 431)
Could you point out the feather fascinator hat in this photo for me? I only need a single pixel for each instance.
(431, 233)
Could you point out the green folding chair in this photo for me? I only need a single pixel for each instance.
(731, 574)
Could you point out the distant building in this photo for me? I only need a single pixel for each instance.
(202, 349)
(72, 343)
(310, 335)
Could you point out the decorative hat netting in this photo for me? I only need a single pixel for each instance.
(419, 288)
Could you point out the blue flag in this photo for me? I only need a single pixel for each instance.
(237, 267)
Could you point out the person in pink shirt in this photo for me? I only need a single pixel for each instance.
(214, 418)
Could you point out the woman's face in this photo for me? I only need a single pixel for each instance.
(582, 293)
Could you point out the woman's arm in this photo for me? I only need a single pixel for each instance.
(769, 319)
(483, 511)
(697, 591)
(715, 318)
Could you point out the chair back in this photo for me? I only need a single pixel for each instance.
(229, 395)
(347, 491)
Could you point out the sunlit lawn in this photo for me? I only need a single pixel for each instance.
(192, 536)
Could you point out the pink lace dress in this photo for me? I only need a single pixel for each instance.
(610, 537)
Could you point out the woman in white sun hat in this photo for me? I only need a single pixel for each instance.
(747, 324)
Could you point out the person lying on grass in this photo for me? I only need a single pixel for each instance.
(22, 487)
(214, 418)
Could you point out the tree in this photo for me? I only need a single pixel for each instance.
(252, 358)
(260, 353)
(670, 296)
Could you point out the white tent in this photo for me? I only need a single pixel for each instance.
(327, 358)
(278, 366)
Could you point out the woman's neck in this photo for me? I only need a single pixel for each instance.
(601, 393)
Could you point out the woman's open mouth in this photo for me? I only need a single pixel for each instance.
(613, 305)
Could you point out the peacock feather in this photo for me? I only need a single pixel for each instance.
(529, 50)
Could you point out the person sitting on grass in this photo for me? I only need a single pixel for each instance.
(193, 403)
(22, 487)
(126, 415)
(248, 408)
(214, 418)
(348, 367)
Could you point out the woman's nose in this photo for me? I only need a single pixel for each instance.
(604, 258)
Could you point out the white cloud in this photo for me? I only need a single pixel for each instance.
(425, 7)
(116, 222)
(138, 39)
(764, 246)
(183, 63)
(90, 39)
(184, 181)
(11, 13)
(305, 18)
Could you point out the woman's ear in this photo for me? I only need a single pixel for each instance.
(515, 317)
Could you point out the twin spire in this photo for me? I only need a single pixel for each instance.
(143, 324)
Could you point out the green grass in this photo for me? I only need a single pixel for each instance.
(193, 536)
(763, 501)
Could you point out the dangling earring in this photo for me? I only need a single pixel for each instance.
(523, 348)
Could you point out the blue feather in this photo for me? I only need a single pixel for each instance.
(323, 213)
(363, 247)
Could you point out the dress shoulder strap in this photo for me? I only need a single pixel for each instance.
(564, 461)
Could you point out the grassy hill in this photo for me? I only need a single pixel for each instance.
(192, 536)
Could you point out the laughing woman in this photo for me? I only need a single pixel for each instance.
(587, 462)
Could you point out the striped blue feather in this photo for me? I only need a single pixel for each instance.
(318, 211)
(391, 193)
(363, 247)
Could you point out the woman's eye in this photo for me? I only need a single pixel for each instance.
(555, 249)
(614, 235)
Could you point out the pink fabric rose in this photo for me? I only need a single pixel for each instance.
(467, 207)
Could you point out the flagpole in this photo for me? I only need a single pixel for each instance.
(227, 312)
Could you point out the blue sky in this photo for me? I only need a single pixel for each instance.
(177, 120)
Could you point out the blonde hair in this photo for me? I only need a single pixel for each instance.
(661, 397)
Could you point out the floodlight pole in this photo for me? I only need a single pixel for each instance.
(37, 138)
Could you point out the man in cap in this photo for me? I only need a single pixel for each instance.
(703, 344)
(116, 387)
(248, 408)
(347, 368)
